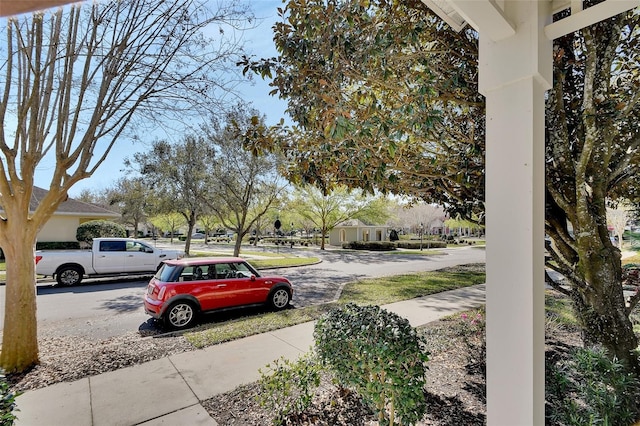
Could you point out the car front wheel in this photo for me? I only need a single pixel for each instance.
(280, 298)
(180, 315)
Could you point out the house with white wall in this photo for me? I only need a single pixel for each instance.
(70, 214)
(355, 230)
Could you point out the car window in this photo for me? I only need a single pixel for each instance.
(112, 246)
(135, 246)
(221, 271)
(187, 273)
(167, 273)
(242, 270)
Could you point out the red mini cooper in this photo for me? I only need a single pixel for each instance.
(184, 288)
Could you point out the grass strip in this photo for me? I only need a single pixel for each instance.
(370, 291)
(212, 334)
(283, 263)
(381, 291)
(270, 262)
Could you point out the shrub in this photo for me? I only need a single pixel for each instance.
(97, 229)
(370, 245)
(7, 402)
(57, 245)
(589, 388)
(288, 386)
(472, 332)
(415, 245)
(379, 355)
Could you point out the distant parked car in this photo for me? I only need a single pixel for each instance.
(183, 289)
(197, 236)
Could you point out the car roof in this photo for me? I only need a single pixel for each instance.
(203, 260)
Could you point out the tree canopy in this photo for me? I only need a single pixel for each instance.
(326, 210)
(384, 96)
(245, 186)
(180, 178)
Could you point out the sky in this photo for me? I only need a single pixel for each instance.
(259, 42)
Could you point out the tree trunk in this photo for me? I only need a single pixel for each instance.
(191, 223)
(600, 306)
(20, 335)
(238, 244)
(323, 234)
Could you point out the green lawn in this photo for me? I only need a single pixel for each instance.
(372, 291)
(283, 262)
(381, 291)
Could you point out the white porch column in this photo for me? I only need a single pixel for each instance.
(515, 72)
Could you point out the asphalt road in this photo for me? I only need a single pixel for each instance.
(106, 308)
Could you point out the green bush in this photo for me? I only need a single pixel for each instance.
(370, 245)
(97, 229)
(588, 388)
(7, 403)
(288, 386)
(380, 356)
(57, 245)
(415, 245)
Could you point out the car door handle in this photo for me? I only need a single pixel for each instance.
(162, 255)
(130, 255)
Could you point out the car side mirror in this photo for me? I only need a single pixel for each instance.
(253, 277)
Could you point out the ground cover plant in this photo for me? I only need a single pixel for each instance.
(7, 402)
(583, 386)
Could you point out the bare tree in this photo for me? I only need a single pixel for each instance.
(411, 216)
(74, 82)
(618, 219)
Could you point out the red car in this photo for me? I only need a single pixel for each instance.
(184, 288)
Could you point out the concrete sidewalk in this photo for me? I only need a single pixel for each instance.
(168, 391)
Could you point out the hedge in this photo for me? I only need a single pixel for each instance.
(58, 245)
(370, 245)
(417, 245)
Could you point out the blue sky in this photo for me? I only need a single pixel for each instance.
(259, 42)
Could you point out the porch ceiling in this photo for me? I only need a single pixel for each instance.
(488, 16)
(15, 7)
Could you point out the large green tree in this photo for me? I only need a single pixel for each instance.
(74, 82)
(133, 198)
(384, 96)
(179, 175)
(244, 186)
(326, 210)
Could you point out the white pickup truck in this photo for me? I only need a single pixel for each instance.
(108, 257)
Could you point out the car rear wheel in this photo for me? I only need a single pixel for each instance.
(280, 298)
(69, 275)
(180, 315)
